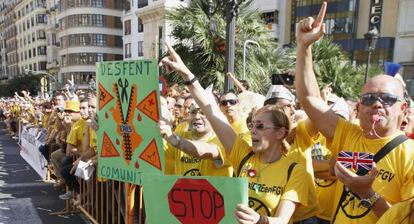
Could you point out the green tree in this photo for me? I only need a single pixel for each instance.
(333, 66)
(19, 83)
(201, 43)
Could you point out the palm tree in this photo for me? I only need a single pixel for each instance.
(201, 43)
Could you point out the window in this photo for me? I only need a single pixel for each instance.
(41, 50)
(140, 48)
(97, 3)
(127, 27)
(127, 50)
(140, 26)
(41, 34)
(99, 57)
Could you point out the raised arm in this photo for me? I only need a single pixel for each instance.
(199, 149)
(236, 82)
(207, 104)
(308, 32)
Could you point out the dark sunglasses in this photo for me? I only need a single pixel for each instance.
(231, 102)
(386, 99)
(260, 126)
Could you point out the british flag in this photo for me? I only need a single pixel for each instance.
(356, 160)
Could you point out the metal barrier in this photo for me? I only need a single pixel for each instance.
(110, 202)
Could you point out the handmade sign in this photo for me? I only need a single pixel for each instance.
(128, 138)
(201, 200)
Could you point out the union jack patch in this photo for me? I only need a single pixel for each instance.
(356, 160)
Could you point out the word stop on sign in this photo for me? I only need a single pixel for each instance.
(196, 201)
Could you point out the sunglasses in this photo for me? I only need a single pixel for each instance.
(386, 99)
(231, 102)
(260, 126)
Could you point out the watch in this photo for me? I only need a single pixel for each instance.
(369, 202)
(190, 82)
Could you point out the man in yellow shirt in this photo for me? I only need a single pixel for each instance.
(74, 142)
(182, 154)
(229, 105)
(358, 199)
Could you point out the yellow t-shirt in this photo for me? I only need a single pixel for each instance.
(218, 167)
(269, 185)
(399, 213)
(92, 140)
(77, 134)
(182, 127)
(305, 149)
(179, 162)
(300, 147)
(241, 129)
(324, 188)
(395, 172)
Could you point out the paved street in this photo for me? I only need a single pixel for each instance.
(24, 197)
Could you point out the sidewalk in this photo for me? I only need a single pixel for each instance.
(24, 197)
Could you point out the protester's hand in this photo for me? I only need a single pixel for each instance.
(359, 185)
(326, 91)
(310, 30)
(165, 129)
(173, 62)
(67, 119)
(75, 166)
(246, 215)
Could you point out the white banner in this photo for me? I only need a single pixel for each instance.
(29, 145)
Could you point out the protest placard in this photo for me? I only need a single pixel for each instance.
(201, 200)
(128, 138)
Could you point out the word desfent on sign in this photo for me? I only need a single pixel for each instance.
(125, 68)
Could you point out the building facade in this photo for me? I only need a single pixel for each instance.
(348, 20)
(88, 31)
(404, 42)
(31, 36)
(145, 27)
(274, 14)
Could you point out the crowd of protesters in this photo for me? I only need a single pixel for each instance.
(68, 120)
(285, 143)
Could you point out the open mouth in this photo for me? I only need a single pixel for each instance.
(198, 124)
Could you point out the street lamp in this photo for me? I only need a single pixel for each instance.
(231, 7)
(371, 38)
(244, 55)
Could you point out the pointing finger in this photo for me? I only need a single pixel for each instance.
(172, 52)
(321, 15)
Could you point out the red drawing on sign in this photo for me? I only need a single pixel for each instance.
(151, 155)
(104, 96)
(195, 201)
(149, 106)
(108, 149)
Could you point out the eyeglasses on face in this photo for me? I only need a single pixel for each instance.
(386, 99)
(232, 102)
(260, 126)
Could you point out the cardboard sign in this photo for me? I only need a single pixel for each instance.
(128, 138)
(202, 200)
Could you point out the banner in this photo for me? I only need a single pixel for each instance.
(29, 150)
(128, 138)
(201, 200)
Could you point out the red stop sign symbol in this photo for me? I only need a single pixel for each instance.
(195, 201)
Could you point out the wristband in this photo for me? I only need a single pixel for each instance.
(190, 82)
